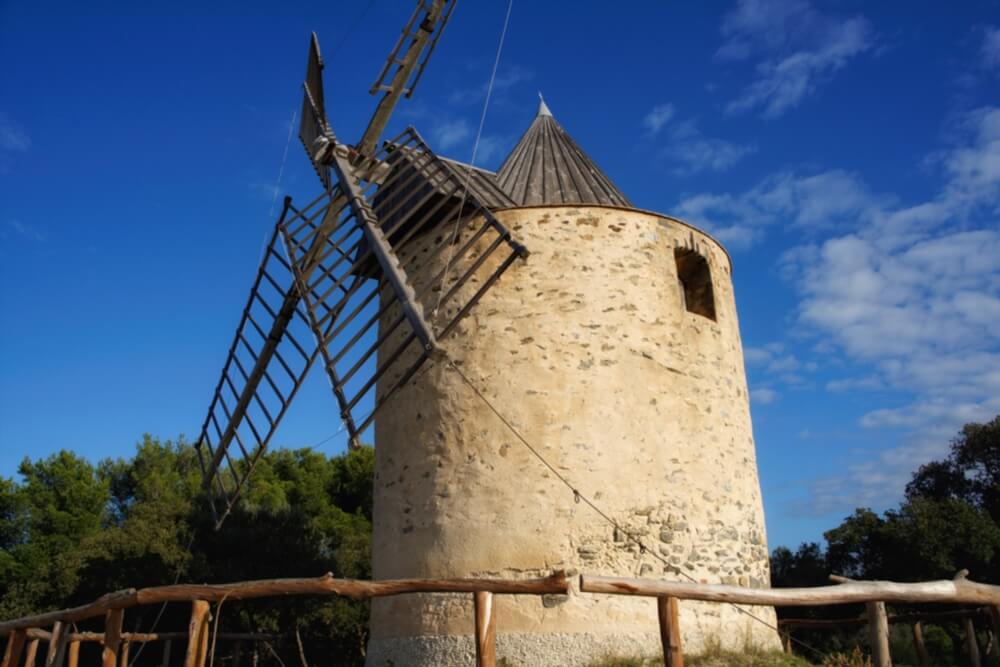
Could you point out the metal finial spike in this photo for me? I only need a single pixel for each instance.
(543, 108)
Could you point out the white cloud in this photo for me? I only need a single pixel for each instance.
(910, 294)
(825, 200)
(799, 48)
(914, 294)
(490, 148)
(658, 117)
(26, 231)
(758, 356)
(448, 134)
(865, 383)
(974, 169)
(991, 48)
(764, 395)
(686, 148)
(878, 482)
(772, 364)
(12, 136)
(693, 152)
(505, 80)
(930, 412)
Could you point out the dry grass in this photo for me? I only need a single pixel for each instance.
(750, 655)
(717, 657)
(853, 659)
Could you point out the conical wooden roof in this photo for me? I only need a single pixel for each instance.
(548, 167)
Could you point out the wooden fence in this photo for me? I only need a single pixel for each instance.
(874, 594)
(24, 634)
(915, 621)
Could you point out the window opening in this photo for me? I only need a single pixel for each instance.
(695, 280)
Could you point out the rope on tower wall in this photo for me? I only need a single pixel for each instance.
(578, 497)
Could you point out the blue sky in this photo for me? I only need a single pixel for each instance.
(847, 153)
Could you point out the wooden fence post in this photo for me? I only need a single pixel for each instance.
(670, 631)
(486, 629)
(123, 657)
(995, 624)
(878, 624)
(112, 637)
(57, 645)
(73, 656)
(923, 657)
(971, 644)
(166, 654)
(29, 656)
(15, 646)
(197, 646)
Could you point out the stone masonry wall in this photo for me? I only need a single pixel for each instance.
(587, 348)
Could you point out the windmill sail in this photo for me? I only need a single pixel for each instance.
(369, 335)
(270, 355)
(336, 290)
(370, 276)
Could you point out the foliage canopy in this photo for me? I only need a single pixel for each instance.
(71, 531)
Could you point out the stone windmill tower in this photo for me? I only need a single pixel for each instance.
(615, 347)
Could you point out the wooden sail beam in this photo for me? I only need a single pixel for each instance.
(418, 32)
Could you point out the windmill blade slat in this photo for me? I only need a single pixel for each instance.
(257, 401)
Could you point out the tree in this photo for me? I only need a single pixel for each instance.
(71, 531)
(948, 520)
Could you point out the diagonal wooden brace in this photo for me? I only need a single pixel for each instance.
(383, 252)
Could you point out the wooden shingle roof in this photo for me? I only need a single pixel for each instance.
(548, 167)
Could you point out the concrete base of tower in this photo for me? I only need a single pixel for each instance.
(701, 624)
(520, 650)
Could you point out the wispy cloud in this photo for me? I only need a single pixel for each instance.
(687, 149)
(797, 48)
(878, 481)
(25, 231)
(658, 117)
(12, 136)
(990, 50)
(491, 148)
(864, 383)
(763, 395)
(696, 153)
(448, 134)
(506, 79)
(829, 199)
(773, 363)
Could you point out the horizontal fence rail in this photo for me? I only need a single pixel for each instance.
(874, 594)
(949, 591)
(25, 633)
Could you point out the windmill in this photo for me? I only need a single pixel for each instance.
(331, 285)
